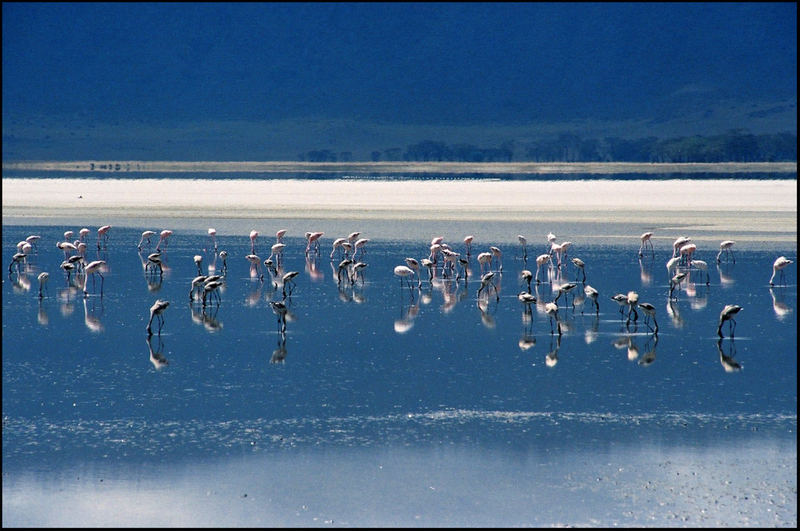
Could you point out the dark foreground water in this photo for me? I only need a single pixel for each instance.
(384, 405)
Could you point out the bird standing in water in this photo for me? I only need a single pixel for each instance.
(780, 263)
(727, 314)
(157, 310)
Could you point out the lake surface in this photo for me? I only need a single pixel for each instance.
(382, 404)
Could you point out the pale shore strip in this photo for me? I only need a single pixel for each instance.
(398, 167)
(750, 211)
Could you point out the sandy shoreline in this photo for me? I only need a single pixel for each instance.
(746, 210)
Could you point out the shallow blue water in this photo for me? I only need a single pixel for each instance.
(79, 383)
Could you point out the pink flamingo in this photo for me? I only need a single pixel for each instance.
(468, 243)
(313, 240)
(102, 233)
(780, 263)
(646, 243)
(253, 236)
(727, 248)
(163, 239)
(145, 236)
(93, 268)
(212, 234)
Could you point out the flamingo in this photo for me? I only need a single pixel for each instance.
(255, 266)
(313, 239)
(672, 264)
(780, 263)
(675, 282)
(484, 259)
(727, 314)
(649, 312)
(43, 277)
(524, 244)
(622, 300)
(33, 239)
(337, 244)
(360, 245)
(556, 249)
(633, 300)
(344, 265)
(288, 278)
(279, 235)
(83, 233)
(577, 262)
(145, 236)
(67, 247)
(279, 308)
(468, 244)
(277, 251)
(592, 294)
(688, 250)
(157, 310)
(102, 233)
(197, 284)
(488, 280)
(527, 276)
(93, 268)
(224, 256)
(212, 235)
(429, 265)
(701, 265)
(646, 243)
(211, 287)
(497, 253)
(541, 260)
(253, 236)
(678, 243)
(404, 272)
(198, 259)
(551, 309)
(551, 239)
(358, 269)
(564, 247)
(414, 264)
(154, 260)
(163, 238)
(565, 288)
(727, 248)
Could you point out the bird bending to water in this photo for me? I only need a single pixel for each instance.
(727, 248)
(253, 236)
(592, 293)
(43, 278)
(577, 262)
(93, 268)
(646, 243)
(649, 312)
(780, 263)
(727, 314)
(486, 281)
(404, 272)
(157, 310)
(163, 239)
(145, 236)
(551, 309)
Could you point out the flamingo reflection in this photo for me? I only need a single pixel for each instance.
(781, 309)
(91, 318)
(726, 360)
(156, 357)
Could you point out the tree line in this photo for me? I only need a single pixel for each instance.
(733, 146)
